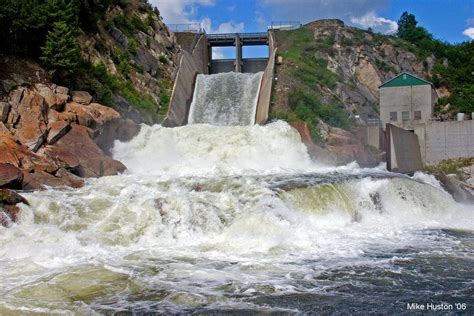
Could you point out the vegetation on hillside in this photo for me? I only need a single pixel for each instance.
(313, 75)
(47, 31)
(451, 166)
(454, 63)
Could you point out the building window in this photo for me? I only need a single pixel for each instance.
(405, 115)
(417, 115)
(393, 116)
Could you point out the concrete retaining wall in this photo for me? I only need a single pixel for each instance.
(404, 154)
(446, 140)
(190, 65)
(266, 85)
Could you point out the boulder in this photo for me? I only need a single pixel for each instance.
(33, 112)
(11, 177)
(68, 116)
(57, 130)
(21, 156)
(77, 152)
(83, 116)
(4, 110)
(460, 191)
(116, 129)
(9, 212)
(39, 180)
(53, 99)
(82, 97)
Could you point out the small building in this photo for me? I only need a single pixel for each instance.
(406, 100)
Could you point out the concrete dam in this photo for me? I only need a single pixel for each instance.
(221, 91)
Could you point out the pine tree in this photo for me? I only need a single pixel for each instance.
(61, 51)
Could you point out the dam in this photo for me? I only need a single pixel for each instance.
(196, 62)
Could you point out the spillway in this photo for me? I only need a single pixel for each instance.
(225, 99)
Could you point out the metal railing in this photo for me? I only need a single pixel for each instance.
(186, 27)
(284, 25)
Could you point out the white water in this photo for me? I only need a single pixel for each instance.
(225, 99)
(199, 221)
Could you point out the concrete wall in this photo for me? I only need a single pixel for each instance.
(222, 65)
(254, 65)
(446, 140)
(266, 85)
(190, 65)
(404, 155)
(249, 65)
(409, 98)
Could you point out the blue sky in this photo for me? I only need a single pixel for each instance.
(449, 20)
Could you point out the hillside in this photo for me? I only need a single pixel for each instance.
(329, 72)
(126, 55)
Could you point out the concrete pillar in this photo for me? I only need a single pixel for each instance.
(209, 58)
(238, 54)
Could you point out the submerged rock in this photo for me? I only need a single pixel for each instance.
(9, 211)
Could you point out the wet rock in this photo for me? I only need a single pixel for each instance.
(11, 177)
(460, 191)
(116, 129)
(9, 212)
(57, 130)
(4, 110)
(82, 97)
(76, 151)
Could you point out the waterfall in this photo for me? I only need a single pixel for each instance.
(225, 99)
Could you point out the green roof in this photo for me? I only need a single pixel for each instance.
(405, 79)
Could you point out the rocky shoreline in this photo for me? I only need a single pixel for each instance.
(52, 138)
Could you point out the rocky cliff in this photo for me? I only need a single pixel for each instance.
(329, 72)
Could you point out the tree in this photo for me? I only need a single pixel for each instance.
(409, 31)
(406, 24)
(61, 51)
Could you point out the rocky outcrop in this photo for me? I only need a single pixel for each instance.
(134, 44)
(461, 192)
(9, 211)
(47, 140)
(341, 147)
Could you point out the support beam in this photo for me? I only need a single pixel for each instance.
(238, 54)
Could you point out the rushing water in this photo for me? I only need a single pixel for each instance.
(225, 99)
(237, 219)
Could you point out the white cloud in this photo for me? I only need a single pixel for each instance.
(377, 23)
(309, 10)
(469, 32)
(180, 11)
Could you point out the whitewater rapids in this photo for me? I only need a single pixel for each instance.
(213, 219)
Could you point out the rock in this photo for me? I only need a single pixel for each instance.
(4, 110)
(57, 130)
(9, 197)
(460, 191)
(53, 100)
(33, 112)
(83, 116)
(61, 90)
(101, 113)
(10, 176)
(82, 97)
(116, 129)
(10, 212)
(41, 140)
(39, 180)
(77, 152)
(68, 116)
(21, 156)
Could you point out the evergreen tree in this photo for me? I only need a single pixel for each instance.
(61, 51)
(409, 31)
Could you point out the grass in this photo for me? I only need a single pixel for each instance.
(451, 166)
